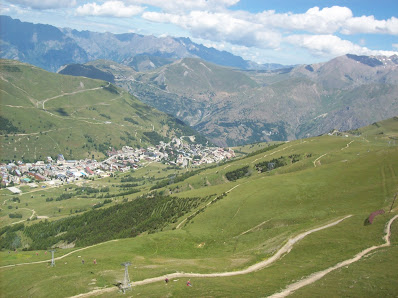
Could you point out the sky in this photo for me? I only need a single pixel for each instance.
(264, 31)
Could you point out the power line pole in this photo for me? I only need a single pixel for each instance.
(126, 285)
(52, 258)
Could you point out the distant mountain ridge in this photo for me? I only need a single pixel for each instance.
(230, 106)
(233, 107)
(50, 48)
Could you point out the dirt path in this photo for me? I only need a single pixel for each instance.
(275, 152)
(18, 107)
(35, 102)
(318, 159)
(252, 229)
(348, 145)
(318, 275)
(30, 218)
(185, 219)
(70, 93)
(31, 191)
(40, 132)
(283, 250)
(58, 258)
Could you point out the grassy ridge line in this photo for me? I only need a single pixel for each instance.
(282, 251)
(58, 258)
(90, 109)
(318, 275)
(70, 93)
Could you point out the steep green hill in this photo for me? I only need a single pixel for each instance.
(337, 179)
(44, 114)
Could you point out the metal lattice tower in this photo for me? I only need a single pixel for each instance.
(126, 282)
(52, 258)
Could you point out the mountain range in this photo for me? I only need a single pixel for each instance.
(50, 48)
(233, 107)
(229, 100)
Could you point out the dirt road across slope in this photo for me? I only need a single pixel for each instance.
(285, 249)
(318, 275)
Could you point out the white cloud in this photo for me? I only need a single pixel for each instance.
(4, 9)
(265, 29)
(331, 46)
(315, 20)
(187, 5)
(328, 20)
(109, 8)
(368, 24)
(220, 26)
(395, 45)
(45, 4)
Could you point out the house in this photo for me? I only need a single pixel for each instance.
(14, 190)
(89, 171)
(37, 176)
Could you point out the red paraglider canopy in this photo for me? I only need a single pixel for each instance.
(374, 214)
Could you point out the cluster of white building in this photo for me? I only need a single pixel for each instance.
(177, 152)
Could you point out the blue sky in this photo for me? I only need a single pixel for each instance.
(269, 31)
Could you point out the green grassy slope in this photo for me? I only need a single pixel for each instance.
(352, 174)
(47, 114)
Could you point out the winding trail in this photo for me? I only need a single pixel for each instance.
(40, 132)
(348, 145)
(318, 159)
(30, 218)
(185, 219)
(276, 152)
(256, 227)
(70, 93)
(282, 251)
(35, 102)
(318, 275)
(58, 258)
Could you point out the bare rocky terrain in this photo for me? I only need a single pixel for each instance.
(233, 107)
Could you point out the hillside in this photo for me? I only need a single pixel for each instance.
(46, 114)
(88, 71)
(50, 48)
(233, 107)
(289, 213)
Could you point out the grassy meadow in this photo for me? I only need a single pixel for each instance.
(74, 116)
(352, 173)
